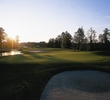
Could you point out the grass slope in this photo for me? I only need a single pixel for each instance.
(23, 77)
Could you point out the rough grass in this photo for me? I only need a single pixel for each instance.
(23, 77)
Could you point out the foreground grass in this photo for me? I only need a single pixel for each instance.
(23, 77)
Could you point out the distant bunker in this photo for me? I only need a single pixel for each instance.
(38, 51)
(78, 85)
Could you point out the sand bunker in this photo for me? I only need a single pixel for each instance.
(37, 51)
(78, 85)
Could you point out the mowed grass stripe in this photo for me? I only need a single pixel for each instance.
(81, 56)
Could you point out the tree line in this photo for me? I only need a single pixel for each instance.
(81, 40)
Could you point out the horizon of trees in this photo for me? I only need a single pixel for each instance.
(81, 40)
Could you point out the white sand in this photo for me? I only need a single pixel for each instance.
(78, 85)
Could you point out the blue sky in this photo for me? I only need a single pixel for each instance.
(40, 20)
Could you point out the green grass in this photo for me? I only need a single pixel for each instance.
(25, 76)
(55, 56)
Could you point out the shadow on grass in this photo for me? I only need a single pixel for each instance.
(103, 53)
(26, 81)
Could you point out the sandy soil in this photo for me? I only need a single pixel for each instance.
(78, 85)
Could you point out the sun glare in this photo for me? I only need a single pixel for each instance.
(12, 36)
(12, 53)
